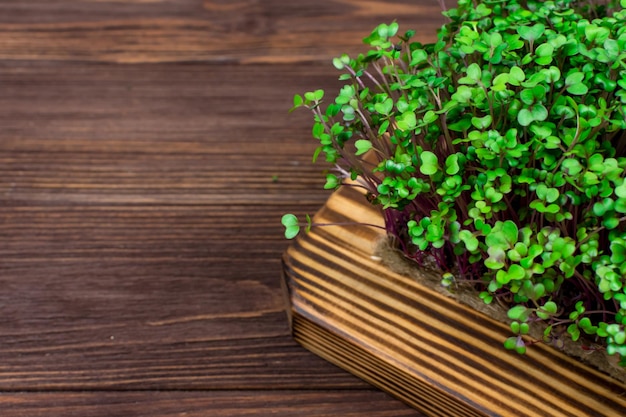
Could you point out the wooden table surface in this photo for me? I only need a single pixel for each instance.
(146, 157)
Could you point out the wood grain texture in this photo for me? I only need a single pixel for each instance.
(166, 134)
(200, 404)
(441, 357)
(143, 172)
(140, 247)
(244, 31)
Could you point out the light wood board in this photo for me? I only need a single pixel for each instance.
(437, 355)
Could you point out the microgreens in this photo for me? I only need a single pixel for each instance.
(499, 150)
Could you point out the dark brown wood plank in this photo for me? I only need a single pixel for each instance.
(140, 227)
(197, 404)
(140, 203)
(195, 30)
(163, 298)
(158, 134)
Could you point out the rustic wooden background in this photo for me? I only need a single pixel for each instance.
(146, 156)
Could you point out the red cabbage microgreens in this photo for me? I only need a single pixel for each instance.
(499, 151)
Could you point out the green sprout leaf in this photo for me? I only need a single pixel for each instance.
(548, 309)
(314, 96)
(430, 163)
(474, 72)
(452, 164)
(332, 182)
(525, 117)
(406, 121)
(531, 33)
(574, 83)
(482, 122)
(519, 313)
(384, 107)
(297, 101)
(510, 343)
(292, 226)
(362, 146)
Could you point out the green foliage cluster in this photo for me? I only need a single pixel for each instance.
(500, 151)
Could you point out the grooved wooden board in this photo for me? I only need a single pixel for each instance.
(242, 403)
(234, 31)
(146, 157)
(440, 357)
(139, 249)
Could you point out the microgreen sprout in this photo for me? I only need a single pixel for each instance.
(293, 225)
(500, 152)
